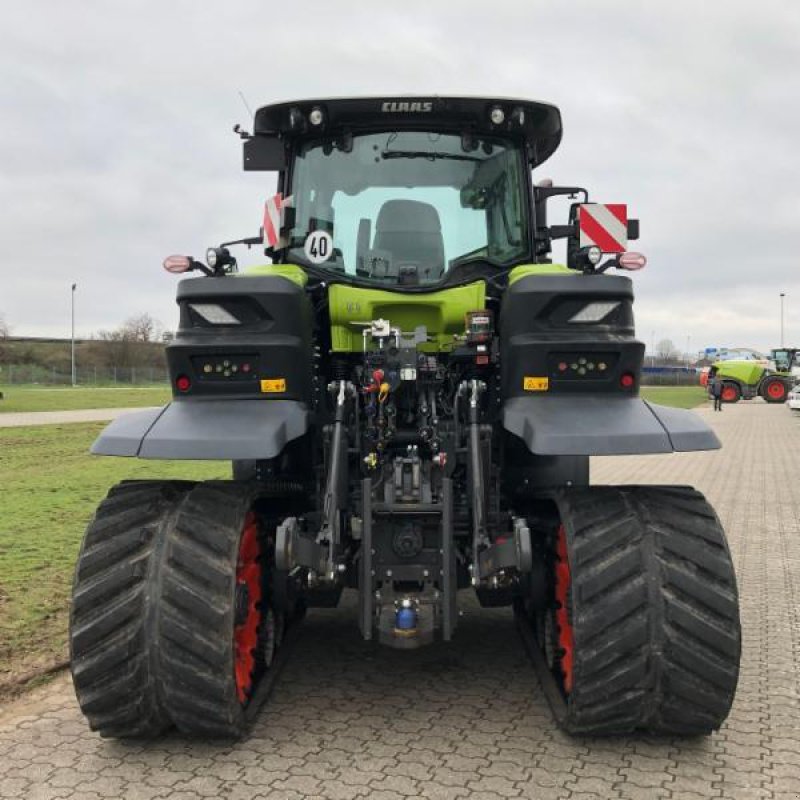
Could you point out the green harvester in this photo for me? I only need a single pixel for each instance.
(746, 379)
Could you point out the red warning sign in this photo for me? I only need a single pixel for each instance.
(604, 225)
(272, 220)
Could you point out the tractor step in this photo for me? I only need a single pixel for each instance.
(647, 634)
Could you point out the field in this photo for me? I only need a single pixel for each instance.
(67, 398)
(50, 486)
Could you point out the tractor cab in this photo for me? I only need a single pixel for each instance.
(410, 193)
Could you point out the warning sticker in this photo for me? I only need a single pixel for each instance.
(273, 385)
(535, 384)
(603, 225)
(318, 246)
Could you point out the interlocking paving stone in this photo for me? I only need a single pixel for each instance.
(468, 720)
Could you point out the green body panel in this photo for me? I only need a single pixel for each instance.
(289, 271)
(442, 313)
(539, 269)
(747, 372)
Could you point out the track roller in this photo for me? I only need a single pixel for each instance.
(642, 631)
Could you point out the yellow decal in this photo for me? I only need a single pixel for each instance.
(273, 385)
(535, 384)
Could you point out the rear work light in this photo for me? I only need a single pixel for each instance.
(214, 314)
(594, 312)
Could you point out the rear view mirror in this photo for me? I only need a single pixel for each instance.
(264, 154)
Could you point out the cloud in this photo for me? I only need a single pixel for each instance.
(116, 145)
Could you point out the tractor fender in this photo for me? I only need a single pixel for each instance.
(224, 430)
(600, 425)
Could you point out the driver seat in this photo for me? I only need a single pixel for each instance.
(412, 233)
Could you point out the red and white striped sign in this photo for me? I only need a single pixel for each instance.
(272, 220)
(604, 225)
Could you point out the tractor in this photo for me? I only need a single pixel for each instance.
(744, 380)
(409, 394)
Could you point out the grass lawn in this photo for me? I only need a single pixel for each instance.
(677, 396)
(67, 398)
(50, 487)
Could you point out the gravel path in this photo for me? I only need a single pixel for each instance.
(18, 419)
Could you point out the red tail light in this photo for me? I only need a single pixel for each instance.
(182, 383)
(627, 380)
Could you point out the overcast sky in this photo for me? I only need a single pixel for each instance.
(116, 146)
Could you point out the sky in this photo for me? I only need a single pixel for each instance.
(116, 146)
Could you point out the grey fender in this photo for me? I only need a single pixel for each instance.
(223, 430)
(601, 425)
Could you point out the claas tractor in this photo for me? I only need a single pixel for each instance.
(744, 380)
(409, 394)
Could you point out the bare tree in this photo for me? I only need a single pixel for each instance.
(142, 328)
(5, 328)
(133, 344)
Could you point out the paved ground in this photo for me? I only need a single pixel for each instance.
(469, 720)
(19, 419)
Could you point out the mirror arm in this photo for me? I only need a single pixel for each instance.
(561, 231)
(249, 241)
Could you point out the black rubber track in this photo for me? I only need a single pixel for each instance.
(114, 604)
(196, 647)
(655, 614)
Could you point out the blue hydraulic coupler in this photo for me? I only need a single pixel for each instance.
(405, 619)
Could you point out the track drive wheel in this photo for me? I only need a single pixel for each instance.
(731, 392)
(644, 625)
(774, 390)
(215, 644)
(114, 609)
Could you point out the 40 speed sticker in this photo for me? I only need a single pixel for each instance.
(535, 384)
(318, 246)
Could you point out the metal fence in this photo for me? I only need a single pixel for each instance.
(86, 376)
(670, 376)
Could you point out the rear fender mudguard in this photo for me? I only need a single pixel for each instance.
(224, 430)
(594, 425)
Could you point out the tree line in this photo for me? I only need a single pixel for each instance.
(138, 342)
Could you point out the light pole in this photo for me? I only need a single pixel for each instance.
(74, 375)
(782, 296)
(688, 351)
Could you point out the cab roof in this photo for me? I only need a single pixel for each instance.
(538, 124)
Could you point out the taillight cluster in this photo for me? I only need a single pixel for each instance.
(581, 366)
(225, 367)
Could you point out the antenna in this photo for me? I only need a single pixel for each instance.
(246, 105)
